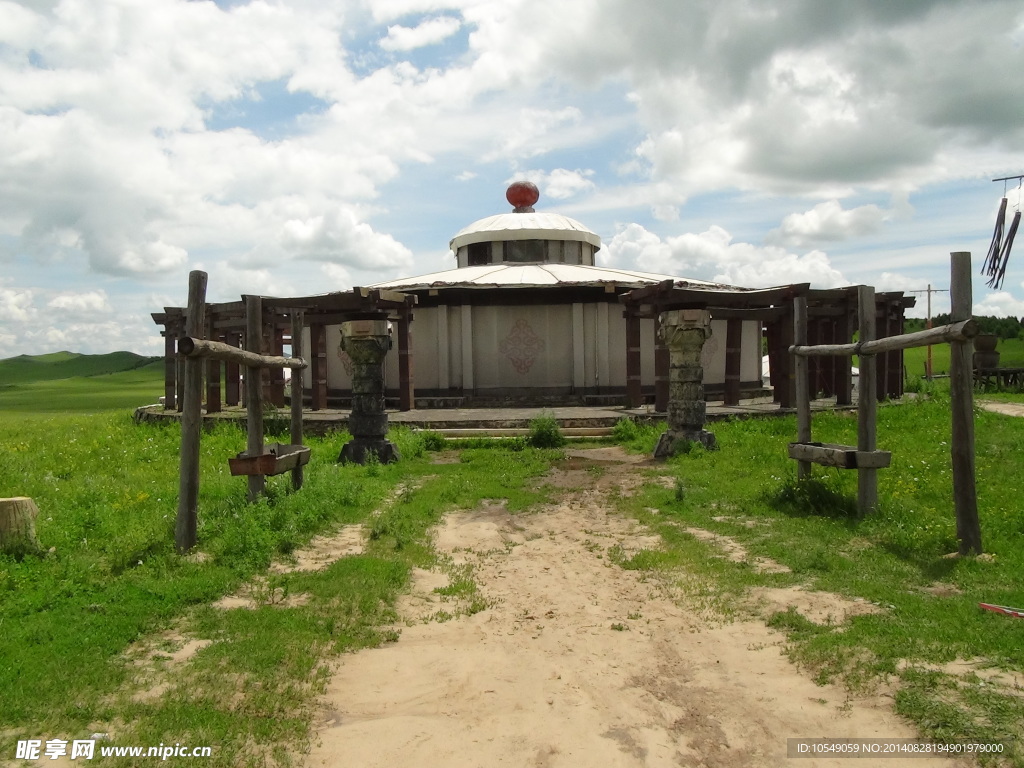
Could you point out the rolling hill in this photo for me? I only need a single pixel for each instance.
(67, 365)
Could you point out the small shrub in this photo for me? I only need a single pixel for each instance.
(545, 433)
(432, 441)
(625, 431)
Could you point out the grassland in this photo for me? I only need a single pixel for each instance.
(107, 491)
(64, 382)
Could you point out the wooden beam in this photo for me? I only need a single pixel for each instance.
(962, 330)
(216, 350)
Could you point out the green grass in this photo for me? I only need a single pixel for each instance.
(66, 365)
(107, 490)
(78, 384)
(895, 558)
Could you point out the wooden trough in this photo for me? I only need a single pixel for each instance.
(276, 459)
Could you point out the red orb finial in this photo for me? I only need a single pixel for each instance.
(522, 195)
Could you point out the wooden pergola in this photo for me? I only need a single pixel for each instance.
(226, 323)
(832, 319)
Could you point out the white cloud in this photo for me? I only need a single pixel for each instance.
(711, 255)
(85, 304)
(827, 222)
(16, 305)
(560, 183)
(427, 32)
(1000, 304)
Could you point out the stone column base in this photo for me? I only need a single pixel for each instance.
(671, 442)
(357, 451)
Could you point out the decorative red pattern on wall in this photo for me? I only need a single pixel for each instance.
(522, 346)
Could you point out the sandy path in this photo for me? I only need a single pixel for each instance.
(541, 678)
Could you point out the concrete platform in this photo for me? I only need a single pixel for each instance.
(497, 421)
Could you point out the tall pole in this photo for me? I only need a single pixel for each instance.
(961, 395)
(185, 524)
(928, 369)
(254, 389)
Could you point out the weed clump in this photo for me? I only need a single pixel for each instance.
(545, 433)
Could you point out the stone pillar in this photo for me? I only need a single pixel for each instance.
(684, 331)
(366, 342)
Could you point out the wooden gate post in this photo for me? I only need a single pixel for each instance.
(961, 395)
(298, 320)
(191, 420)
(254, 389)
(867, 403)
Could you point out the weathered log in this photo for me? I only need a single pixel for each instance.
(960, 331)
(216, 350)
(18, 526)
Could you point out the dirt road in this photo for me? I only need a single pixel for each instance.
(577, 662)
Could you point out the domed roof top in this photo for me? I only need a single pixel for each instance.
(535, 275)
(523, 223)
(524, 226)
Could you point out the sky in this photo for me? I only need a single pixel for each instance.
(295, 147)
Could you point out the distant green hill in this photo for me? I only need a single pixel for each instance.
(24, 369)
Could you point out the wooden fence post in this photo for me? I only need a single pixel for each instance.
(296, 393)
(867, 403)
(803, 395)
(254, 389)
(191, 420)
(961, 392)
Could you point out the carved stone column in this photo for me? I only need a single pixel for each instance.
(366, 342)
(684, 331)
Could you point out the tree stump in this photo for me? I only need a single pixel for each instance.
(18, 526)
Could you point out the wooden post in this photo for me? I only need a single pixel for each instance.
(634, 396)
(867, 403)
(844, 385)
(786, 382)
(406, 396)
(733, 357)
(803, 395)
(254, 389)
(662, 359)
(961, 392)
(231, 389)
(213, 401)
(318, 372)
(276, 375)
(191, 420)
(170, 370)
(296, 392)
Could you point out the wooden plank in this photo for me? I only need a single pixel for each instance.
(961, 395)
(839, 456)
(185, 524)
(867, 404)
